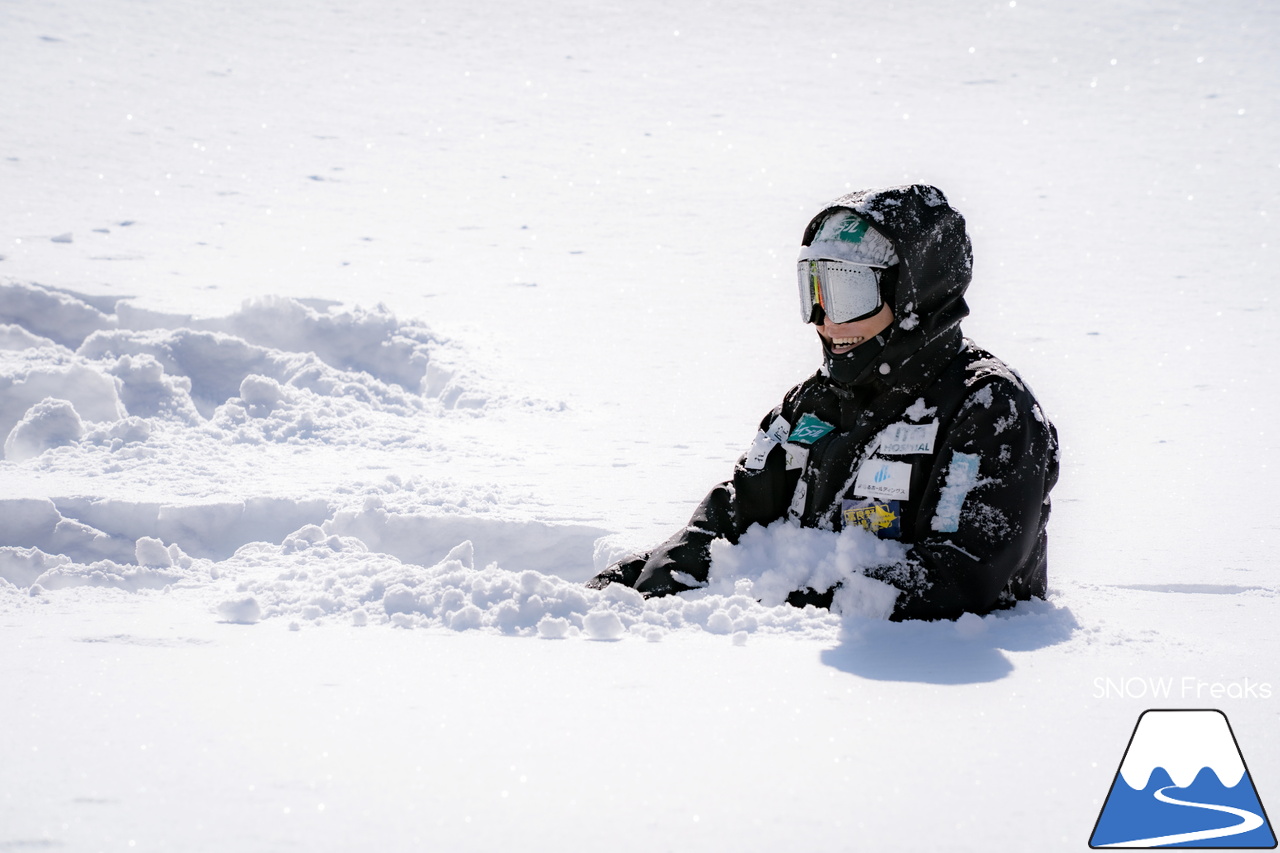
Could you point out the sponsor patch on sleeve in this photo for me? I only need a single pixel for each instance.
(809, 429)
(962, 476)
(759, 451)
(779, 429)
(881, 518)
(765, 441)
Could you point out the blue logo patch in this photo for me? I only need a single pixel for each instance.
(809, 429)
(1183, 782)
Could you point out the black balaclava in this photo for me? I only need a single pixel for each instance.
(848, 367)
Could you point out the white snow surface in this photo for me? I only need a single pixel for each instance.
(340, 344)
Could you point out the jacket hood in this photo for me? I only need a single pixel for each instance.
(935, 265)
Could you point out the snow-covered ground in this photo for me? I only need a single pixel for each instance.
(340, 344)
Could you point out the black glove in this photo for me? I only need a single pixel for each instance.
(625, 572)
(809, 595)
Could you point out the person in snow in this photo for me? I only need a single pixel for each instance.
(908, 430)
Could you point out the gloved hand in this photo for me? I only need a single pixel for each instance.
(625, 572)
(809, 595)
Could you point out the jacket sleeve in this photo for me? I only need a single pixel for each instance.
(979, 539)
(684, 560)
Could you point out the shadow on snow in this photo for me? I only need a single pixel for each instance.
(970, 650)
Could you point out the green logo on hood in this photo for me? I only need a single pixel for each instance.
(845, 226)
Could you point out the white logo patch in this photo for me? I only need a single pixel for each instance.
(764, 442)
(797, 456)
(901, 439)
(759, 451)
(880, 478)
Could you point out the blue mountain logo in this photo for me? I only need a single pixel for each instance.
(882, 474)
(1183, 783)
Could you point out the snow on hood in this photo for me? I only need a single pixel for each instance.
(845, 236)
(935, 262)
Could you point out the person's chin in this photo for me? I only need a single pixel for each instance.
(842, 348)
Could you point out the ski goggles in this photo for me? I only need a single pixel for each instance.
(845, 291)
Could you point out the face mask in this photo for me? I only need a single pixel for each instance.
(847, 368)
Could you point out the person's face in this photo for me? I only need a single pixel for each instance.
(843, 337)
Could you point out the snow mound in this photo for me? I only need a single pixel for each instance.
(48, 424)
(46, 312)
(416, 537)
(29, 377)
(17, 338)
(315, 577)
(770, 562)
(244, 611)
(217, 365)
(276, 370)
(128, 532)
(322, 572)
(603, 625)
(22, 567)
(245, 428)
(37, 572)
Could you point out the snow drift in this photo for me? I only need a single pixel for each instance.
(110, 389)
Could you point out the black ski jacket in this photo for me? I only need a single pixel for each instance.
(937, 444)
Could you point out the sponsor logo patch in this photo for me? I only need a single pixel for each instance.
(759, 451)
(849, 227)
(881, 478)
(809, 429)
(901, 439)
(765, 441)
(797, 456)
(882, 519)
(779, 429)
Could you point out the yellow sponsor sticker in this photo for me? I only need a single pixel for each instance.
(883, 519)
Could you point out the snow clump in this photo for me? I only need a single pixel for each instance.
(770, 562)
(314, 577)
(48, 424)
(243, 611)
